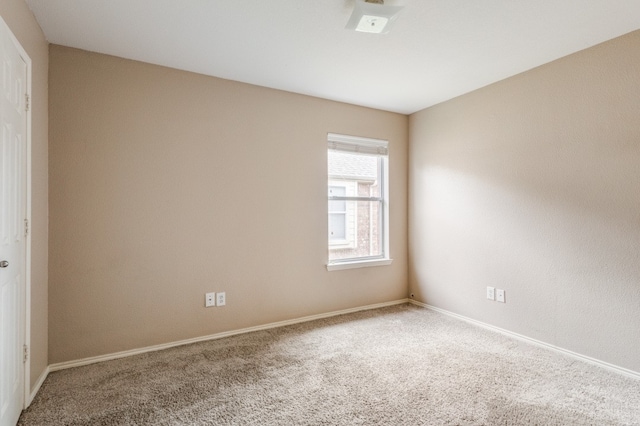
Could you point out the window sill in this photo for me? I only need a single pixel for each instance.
(358, 264)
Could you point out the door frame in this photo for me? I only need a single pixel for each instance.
(27, 254)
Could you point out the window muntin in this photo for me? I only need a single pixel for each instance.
(357, 199)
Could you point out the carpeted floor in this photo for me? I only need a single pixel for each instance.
(401, 365)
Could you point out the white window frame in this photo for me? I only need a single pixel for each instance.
(378, 148)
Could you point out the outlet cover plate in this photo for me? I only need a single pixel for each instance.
(209, 300)
(221, 299)
(491, 293)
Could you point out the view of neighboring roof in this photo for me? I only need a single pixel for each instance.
(343, 165)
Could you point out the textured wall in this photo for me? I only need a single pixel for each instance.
(166, 185)
(18, 17)
(532, 185)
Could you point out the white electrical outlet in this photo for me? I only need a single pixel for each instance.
(491, 293)
(209, 300)
(221, 299)
(500, 295)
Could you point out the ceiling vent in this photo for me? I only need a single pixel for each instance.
(372, 16)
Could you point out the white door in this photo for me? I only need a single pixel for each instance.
(13, 134)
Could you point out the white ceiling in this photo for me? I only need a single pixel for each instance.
(437, 49)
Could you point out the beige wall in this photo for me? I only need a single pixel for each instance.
(24, 26)
(166, 185)
(532, 185)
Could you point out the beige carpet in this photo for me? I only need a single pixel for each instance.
(402, 365)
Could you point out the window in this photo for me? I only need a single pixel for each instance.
(357, 202)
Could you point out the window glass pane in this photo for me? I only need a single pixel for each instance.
(337, 226)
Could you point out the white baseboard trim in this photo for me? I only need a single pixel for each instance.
(37, 387)
(594, 361)
(116, 355)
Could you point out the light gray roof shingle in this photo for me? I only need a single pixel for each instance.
(352, 166)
